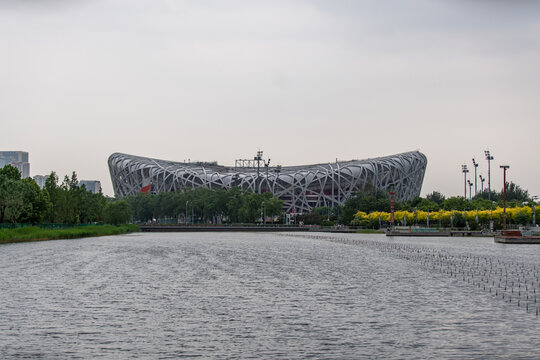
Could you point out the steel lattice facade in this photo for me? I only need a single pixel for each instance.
(300, 187)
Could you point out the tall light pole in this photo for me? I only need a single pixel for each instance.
(186, 211)
(392, 209)
(470, 189)
(475, 164)
(465, 171)
(504, 167)
(482, 179)
(534, 209)
(258, 159)
(489, 157)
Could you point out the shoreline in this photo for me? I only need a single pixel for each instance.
(35, 233)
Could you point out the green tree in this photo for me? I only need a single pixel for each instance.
(118, 212)
(36, 202)
(436, 197)
(53, 193)
(456, 203)
(11, 201)
(251, 208)
(273, 206)
(427, 205)
(366, 201)
(515, 192)
(10, 172)
(522, 219)
(20, 200)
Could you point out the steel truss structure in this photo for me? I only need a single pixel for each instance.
(300, 187)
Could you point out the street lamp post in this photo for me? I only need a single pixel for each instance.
(392, 193)
(489, 157)
(186, 211)
(465, 171)
(534, 215)
(504, 167)
(475, 164)
(534, 209)
(482, 179)
(470, 189)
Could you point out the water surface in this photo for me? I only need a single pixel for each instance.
(261, 295)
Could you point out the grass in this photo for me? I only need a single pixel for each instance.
(33, 233)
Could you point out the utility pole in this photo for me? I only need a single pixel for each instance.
(489, 157)
(533, 198)
(258, 158)
(465, 171)
(475, 164)
(392, 194)
(482, 179)
(504, 167)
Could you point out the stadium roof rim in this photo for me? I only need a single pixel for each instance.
(211, 165)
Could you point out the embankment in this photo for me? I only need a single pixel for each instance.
(34, 233)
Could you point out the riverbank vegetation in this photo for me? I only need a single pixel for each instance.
(372, 210)
(474, 219)
(22, 201)
(206, 206)
(35, 233)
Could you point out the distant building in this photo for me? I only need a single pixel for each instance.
(19, 159)
(40, 180)
(94, 186)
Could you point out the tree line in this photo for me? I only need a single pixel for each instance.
(203, 205)
(23, 202)
(372, 200)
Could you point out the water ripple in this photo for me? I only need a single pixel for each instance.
(286, 296)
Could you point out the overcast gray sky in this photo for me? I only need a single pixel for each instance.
(304, 81)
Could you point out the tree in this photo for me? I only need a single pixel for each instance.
(118, 212)
(36, 202)
(427, 205)
(366, 201)
(515, 192)
(11, 202)
(53, 193)
(273, 206)
(234, 204)
(10, 172)
(456, 203)
(436, 197)
(251, 208)
(20, 200)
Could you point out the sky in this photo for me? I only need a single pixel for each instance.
(305, 81)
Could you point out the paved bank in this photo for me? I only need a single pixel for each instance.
(199, 228)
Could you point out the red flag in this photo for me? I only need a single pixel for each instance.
(146, 185)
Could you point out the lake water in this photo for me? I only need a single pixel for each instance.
(272, 296)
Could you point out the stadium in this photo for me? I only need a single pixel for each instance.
(300, 187)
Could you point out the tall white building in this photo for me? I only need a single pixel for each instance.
(19, 159)
(40, 180)
(94, 186)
